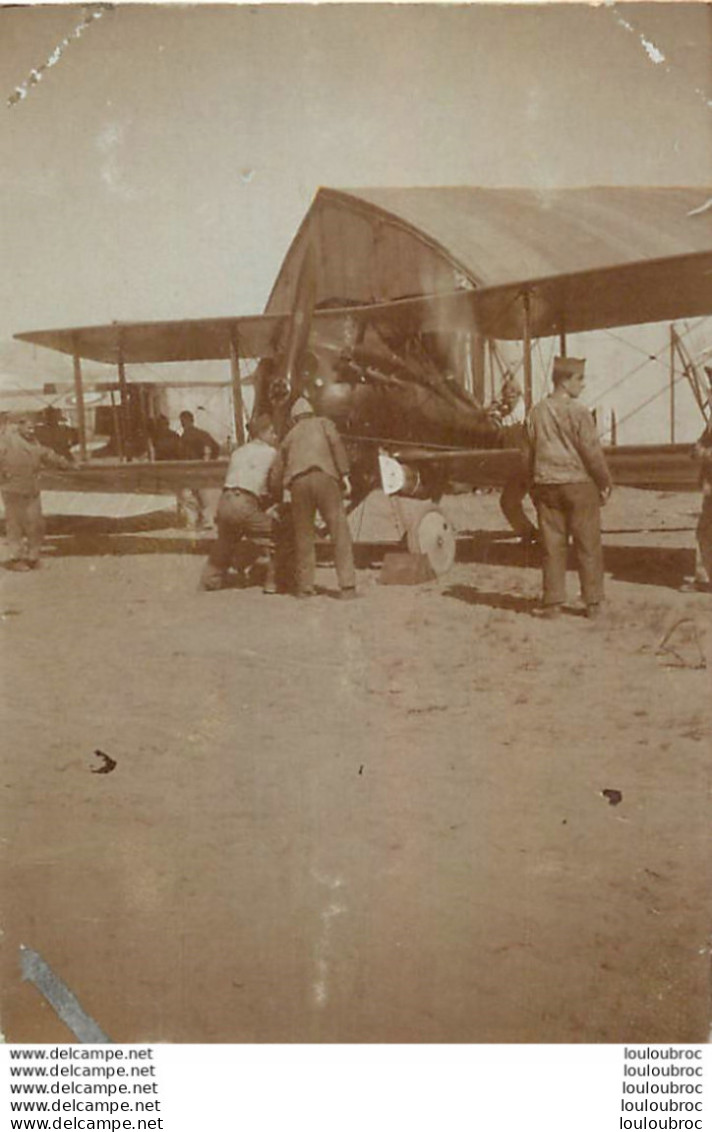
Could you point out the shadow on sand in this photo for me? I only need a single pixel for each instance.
(644, 565)
(87, 536)
(155, 533)
(513, 603)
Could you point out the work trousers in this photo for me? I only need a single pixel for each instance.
(24, 525)
(238, 516)
(311, 492)
(192, 506)
(570, 509)
(511, 499)
(704, 539)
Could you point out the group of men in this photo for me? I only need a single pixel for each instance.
(568, 481)
(567, 478)
(311, 463)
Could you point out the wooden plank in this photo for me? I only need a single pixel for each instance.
(662, 467)
(124, 432)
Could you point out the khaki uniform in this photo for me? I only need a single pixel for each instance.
(21, 462)
(311, 462)
(703, 564)
(569, 472)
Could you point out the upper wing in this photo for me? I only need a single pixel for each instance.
(623, 295)
(185, 340)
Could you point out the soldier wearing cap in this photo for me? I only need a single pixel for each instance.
(702, 452)
(313, 465)
(571, 482)
(22, 458)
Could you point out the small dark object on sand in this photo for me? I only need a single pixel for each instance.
(614, 796)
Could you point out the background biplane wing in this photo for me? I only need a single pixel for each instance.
(184, 340)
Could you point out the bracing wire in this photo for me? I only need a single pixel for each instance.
(649, 400)
(649, 357)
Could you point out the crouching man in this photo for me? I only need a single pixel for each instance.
(243, 508)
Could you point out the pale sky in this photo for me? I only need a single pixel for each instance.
(160, 167)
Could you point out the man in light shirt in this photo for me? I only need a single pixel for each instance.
(571, 482)
(22, 459)
(243, 508)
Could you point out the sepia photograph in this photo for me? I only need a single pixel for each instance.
(356, 481)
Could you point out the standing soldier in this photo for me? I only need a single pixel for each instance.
(313, 465)
(702, 452)
(571, 482)
(21, 459)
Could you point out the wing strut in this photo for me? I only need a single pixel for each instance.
(79, 394)
(238, 407)
(527, 348)
(124, 431)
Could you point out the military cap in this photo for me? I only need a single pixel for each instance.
(301, 408)
(567, 367)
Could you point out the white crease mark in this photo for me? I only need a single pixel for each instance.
(323, 949)
(112, 135)
(64, 1003)
(37, 73)
(656, 55)
(320, 992)
(110, 141)
(320, 987)
(703, 207)
(330, 882)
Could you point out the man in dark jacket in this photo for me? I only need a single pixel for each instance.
(571, 481)
(195, 444)
(21, 460)
(312, 464)
(166, 442)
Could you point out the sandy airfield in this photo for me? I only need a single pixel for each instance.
(379, 821)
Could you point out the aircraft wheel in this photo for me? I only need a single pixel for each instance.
(432, 535)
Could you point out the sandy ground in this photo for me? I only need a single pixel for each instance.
(374, 821)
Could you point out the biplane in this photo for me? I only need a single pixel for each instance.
(384, 312)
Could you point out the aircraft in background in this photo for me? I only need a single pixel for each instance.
(384, 372)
